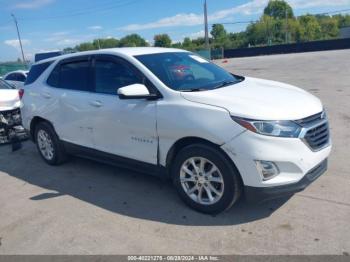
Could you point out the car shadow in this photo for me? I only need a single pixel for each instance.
(121, 191)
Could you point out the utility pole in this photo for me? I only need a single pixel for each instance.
(19, 38)
(206, 25)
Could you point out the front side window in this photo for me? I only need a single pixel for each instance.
(74, 75)
(183, 71)
(112, 75)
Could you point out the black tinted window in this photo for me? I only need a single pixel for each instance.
(11, 77)
(74, 76)
(54, 77)
(186, 71)
(35, 72)
(21, 78)
(110, 76)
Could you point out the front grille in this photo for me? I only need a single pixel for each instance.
(316, 130)
(310, 120)
(318, 136)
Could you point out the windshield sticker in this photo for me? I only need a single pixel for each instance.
(199, 59)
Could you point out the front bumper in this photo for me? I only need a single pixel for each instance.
(260, 194)
(298, 165)
(11, 126)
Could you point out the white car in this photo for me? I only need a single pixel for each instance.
(9, 96)
(10, 115)
(172, 113)
(16, 78)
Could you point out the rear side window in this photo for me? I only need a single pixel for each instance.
(21, 78)
(74, 75)
(54, 77)
(11, 77)
(35, 72)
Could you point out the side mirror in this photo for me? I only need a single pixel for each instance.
(135, 91)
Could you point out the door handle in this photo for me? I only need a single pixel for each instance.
(96, 103)
(46, 95)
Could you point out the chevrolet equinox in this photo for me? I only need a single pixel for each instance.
(172, 113)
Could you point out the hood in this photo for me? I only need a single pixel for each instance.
(9, 99)
(260, 100)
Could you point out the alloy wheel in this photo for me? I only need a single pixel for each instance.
(202, 180)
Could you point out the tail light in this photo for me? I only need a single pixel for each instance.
(20, 93)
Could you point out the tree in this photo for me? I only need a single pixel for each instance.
(162, 40)
(270, 29)
(187, 44)
(85, 47)
(278, 8)
(342, 20)
(219, 35)
(105, 43)
(133, 40)
(69, 50)
(264, 32)
(310, 29)
(177, 45)
(329, 26)
(237, 40)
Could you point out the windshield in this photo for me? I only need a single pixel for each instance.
(184, 71)
(4, 85)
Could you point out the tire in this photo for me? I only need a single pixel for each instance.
(52, 152)
(226, 181)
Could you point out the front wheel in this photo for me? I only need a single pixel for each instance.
(205, 180)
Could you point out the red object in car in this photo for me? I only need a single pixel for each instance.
(181, 72)
(21, 93)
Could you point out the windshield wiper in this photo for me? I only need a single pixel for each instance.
(193, 90)
(226, 83)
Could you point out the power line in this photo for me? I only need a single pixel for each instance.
(333, 12)
(255, 21)
(237, 22)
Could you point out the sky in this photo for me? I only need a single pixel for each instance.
(47, 25)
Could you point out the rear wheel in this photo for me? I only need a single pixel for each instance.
(48, 144)
(205, 180)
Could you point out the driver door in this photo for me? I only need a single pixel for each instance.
(125, 128)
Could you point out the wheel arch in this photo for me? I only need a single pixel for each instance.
(186, 141)
(35, 121)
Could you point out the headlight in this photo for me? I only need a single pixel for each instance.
(270, 128)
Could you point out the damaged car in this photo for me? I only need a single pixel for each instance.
(217, 135)
(11, 129)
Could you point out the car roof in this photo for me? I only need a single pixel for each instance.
(129, 51)
(18, 71)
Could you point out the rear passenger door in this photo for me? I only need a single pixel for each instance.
(71, 84)
(125, 128)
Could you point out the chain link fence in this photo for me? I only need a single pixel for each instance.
(9, 67)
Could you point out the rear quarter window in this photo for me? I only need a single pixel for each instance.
(11, 77)
(36, 71)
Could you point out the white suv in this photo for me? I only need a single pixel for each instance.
(172, 113)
